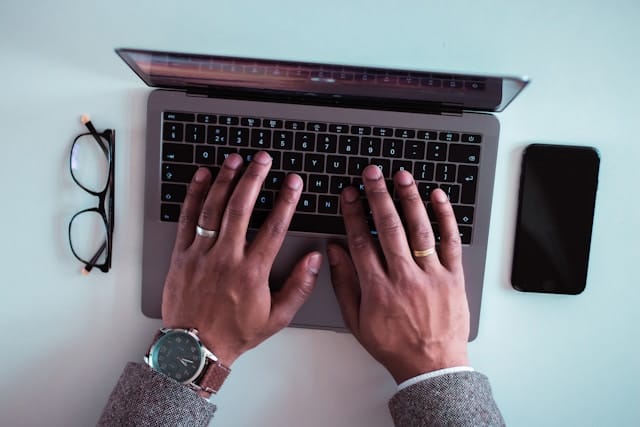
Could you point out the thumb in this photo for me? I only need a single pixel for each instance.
(296, 290)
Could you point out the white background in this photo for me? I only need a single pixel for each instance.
(552, 360)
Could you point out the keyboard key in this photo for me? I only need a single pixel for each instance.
(283, 140)
(401, 165)
(339, 183)
(317, 127)
(423, 171)
(217, 135)
(361, 130)
(384, 165)
(272, 123)
(314, 162)
(182, 153)
(173, 192)
(250, 122)
(388, 132)
(465, 234)
(265, 200)
(318, 184)
(425, 189)
(261, 138)
(415, 150)
(194, 133)
(467, 137)
(327, 143)
(294, 125)
(392, 148)
(292, 161)
(205, 155)
(449, 136)
(357, 165)
(428, 135)
(180, 117)
(247, 154)
(339, 128)
(274, 180)
(172, 131)
(317, 223)
(475, 85)
(224, 152)
(169, 212)
(336, 164)
(405, 133)
(307, 203)
(462, 153)
(228, 120)
(464, 214)
(453, 192)
(305, 141)
(177, 173)
(348, 144)
(468, 177)
(207, 118)
(445, 172)
(437, 151)
(328, 204)
(370, 146)
(239, 137)
(427, 82)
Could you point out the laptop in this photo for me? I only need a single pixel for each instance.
(325, 122)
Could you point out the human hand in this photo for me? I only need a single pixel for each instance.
(410, 313)
(220, 285)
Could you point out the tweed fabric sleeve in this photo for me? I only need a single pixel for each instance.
(143, 397)
(457, 399)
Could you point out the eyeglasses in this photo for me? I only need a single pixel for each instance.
(92, 164)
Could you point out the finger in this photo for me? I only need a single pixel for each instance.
(196, 192)
(421, 235)
(361, 247)
(236, 216)
(345, 285)
(294, 293)
(385, 216)
(269, 239)
(450, 244)
(213, 206)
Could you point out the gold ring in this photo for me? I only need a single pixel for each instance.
(206, 233)
(424, 253)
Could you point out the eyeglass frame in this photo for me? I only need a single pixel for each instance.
(108, 135)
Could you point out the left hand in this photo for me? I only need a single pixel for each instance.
(219, 285)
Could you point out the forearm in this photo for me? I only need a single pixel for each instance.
(461, 399)
(143, 397)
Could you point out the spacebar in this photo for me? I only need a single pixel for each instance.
(306, 222)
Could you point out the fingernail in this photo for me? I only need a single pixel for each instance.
(404, 178)
(314, 263)
(201, 175)
(262, 158)
(233, 161)
(293, 182)
(440, 196)
(372, 172)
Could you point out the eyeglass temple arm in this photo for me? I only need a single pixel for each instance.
(89, 266)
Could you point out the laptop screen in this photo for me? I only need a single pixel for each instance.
(335, 82)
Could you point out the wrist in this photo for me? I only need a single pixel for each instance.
(402, 369)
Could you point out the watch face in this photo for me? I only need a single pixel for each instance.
(177, 354)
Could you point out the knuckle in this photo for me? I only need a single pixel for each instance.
(236, 212)
(288, 197)
(277, 227)
(358, 241)
(207, 216)
(389, 223)
(421, 231)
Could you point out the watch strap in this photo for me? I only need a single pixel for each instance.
(213, 376)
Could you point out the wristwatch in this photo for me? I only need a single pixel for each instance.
(179, 354)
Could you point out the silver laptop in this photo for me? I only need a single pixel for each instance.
(325, 122)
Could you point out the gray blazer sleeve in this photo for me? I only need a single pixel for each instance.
(457, 399)
(143, 397)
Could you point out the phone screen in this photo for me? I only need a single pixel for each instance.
(555, 216)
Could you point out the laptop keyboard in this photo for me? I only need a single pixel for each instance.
(328, 157)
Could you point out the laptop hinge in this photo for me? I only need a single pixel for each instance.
(404, 105)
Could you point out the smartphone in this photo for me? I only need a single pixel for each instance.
(556, 204)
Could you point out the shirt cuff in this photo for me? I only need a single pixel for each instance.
(432, 374)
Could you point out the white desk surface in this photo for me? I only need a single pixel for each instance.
(552, 360)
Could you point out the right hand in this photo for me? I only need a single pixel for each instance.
(410, 313)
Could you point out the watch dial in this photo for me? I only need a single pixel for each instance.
(177, 355)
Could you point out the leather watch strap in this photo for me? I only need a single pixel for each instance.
(213, 376)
